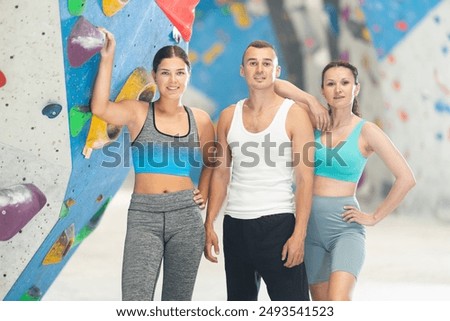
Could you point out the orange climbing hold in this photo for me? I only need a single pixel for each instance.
(181, 13)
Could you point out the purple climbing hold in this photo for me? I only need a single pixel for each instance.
(18, 205)
(52, 110)
(84, 41)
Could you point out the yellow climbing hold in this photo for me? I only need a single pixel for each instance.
(61, 246)
(135, 83)
(111, 7)
(193, 56)
(241, 17)
(213, 53)
(139, 85)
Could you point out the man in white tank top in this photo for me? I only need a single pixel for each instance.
(267, 142)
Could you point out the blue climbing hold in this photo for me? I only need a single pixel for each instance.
(52, 110)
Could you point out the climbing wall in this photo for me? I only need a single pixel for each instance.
(35, 159)
(59, 165)
(412, 44)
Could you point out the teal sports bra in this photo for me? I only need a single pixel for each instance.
(159, 153)
(343, 162)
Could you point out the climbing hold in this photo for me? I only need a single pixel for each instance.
(76, 7)
(84, 41)
(61, 246)
(69, 202)
(215, 51)
(401, 25)
(33, 294)
(403, 115)
(240, 14)
(181, 13)
(175, 35)
(136, 82)
(92, 224)
(52, 110)
(2, 79)
(111, 7)
(18, 205)
(97, 136)
(64, 210)
(78, 116)
(147, 93)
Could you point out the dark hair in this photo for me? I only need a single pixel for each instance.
(170, 52)
(354, 70)
(257, 44)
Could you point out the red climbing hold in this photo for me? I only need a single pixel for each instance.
(2, 79)
(181, 13)
(401, 25)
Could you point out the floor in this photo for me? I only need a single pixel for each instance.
(407, 259)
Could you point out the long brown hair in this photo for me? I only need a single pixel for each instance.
(354, 70)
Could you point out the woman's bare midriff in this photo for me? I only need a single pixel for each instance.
(161, 183)
(324, 186)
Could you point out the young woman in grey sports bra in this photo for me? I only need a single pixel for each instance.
(164, 218)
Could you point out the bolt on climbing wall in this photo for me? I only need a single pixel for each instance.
(59, 165)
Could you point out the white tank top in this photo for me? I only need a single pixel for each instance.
(262, 173)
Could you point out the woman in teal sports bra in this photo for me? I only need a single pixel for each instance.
(169, 143)
(335, 241)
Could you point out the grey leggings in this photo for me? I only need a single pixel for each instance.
(168, 226)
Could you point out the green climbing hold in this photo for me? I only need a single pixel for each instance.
(76, 7)
(33, 294)
(78, 116)
(92, 224)
(64, 211)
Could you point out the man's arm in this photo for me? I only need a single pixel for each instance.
(301, 131)
(219, 184)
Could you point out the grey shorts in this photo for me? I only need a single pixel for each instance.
(331, 243)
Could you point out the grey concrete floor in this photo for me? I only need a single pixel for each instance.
(408, 258)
